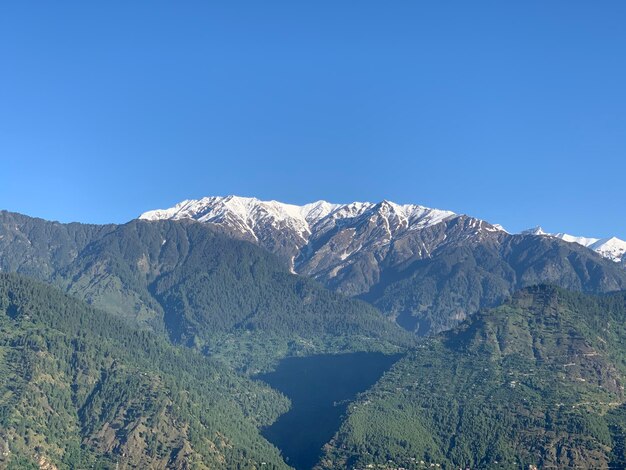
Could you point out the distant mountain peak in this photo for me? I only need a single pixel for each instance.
(612, 248)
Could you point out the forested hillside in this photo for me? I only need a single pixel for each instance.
(191, 278)
(150, 373)
(196, 284)
(538, 381)
(82, 389)
(38, 248)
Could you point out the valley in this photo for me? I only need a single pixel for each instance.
(320, 389)
(182, 342)
(313, 235)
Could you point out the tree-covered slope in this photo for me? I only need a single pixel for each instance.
(38, 248)
(197, 284)
(195, 278)
(537, 381)
(203, 288)
(81, 389)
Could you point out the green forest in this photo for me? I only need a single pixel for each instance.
(142, 352)
(82, 389)
(538, 381)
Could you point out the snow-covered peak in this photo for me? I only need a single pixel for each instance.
(316, 211)
(612, 248)
(250, 214)
(245, 208)
(245, 213)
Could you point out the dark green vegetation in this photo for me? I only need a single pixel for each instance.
(155, 372)
(538, 381)
(194, 282)
(320, 389)
(80, 388)
(189, 277)
(85, 387)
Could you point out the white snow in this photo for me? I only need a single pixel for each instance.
(250, 215)
(498, 228)
(584, 241)
(535, 231)
(612, 248)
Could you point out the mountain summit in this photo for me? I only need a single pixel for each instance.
(252, 215)
(285, 229)
(426, 268)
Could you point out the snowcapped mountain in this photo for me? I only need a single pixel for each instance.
(285, 229)
(249, 215)
(322, 239)
(252, 215)
(611, 248)
(426, 268)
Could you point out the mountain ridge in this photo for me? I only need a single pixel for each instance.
(286, 228)
(425, 268)
(611, 248)
(250, 215)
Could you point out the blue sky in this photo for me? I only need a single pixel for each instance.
(510, 111)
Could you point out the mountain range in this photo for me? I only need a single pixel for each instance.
(426, 268)
(263, 219)
(140, 345)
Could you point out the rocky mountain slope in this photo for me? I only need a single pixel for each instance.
(285, 229)
(611, 248)
(426, 268)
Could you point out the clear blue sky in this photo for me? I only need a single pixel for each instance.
(510, 111)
